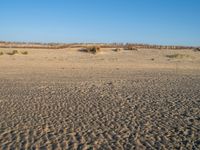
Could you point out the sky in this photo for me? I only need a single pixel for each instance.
(165, 22)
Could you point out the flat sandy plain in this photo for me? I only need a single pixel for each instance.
(67, 99)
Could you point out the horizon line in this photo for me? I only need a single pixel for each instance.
(109, 43)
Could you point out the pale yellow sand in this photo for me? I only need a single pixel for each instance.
(67, 99)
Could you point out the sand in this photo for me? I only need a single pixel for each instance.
(67, 99)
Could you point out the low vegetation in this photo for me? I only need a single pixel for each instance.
(93, 50)
(16, 52)
(117, 50)
(152, 59)
(197, 49)
(24, 52)
(1, 53)
(178, 56)
(130, 47)
(13, 52)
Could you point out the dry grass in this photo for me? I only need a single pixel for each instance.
(16, 52)
(24, 52)
(132, 48)
(117, 50)
(197, 49)
(13, 52)
(152, 59)
(93, 50)
(178, 56)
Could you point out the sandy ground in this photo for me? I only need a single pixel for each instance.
(67, 99)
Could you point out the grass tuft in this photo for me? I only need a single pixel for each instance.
(178, 56)
(132, 48)
(117, 50)
(12, 53)
(93, 50)
(24, 52)
(152, 59)
(197, 49)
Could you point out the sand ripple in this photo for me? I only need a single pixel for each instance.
(137, 113)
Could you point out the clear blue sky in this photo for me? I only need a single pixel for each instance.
(168, 22)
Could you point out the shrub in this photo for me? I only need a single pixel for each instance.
(197, 49)
(152, 59)
(13, 52)
(1, 53)
(132, 48)
(24, 53)
(178, 56)
(117, 49)
(93, 50)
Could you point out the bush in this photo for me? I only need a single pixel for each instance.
(129, 47)
(93, 50)
(117, 49)
(197, 49)
(152, 59)
(178, 56)
(1, 53)
(24, 53)
(12, 53)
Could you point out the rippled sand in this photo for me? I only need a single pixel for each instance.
(107, 101)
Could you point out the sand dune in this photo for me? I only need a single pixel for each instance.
(66, 99)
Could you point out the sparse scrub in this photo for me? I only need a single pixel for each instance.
(24, 52)
(197, 49)
(1, 53)
(93, 50)
(178, 56)
(152, 59)
(12, 53)
(132, 48)
(117, 50)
